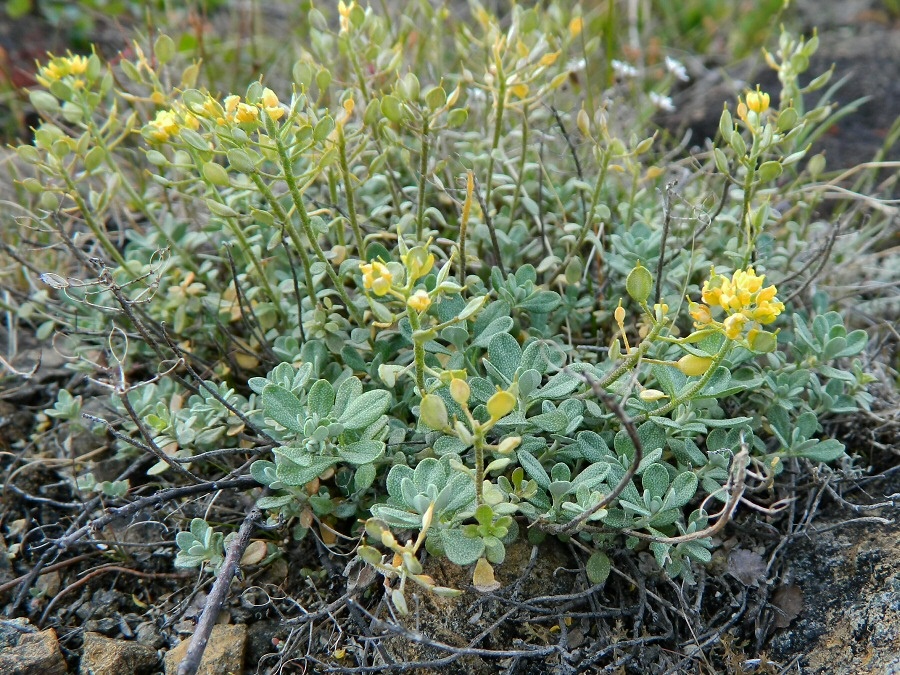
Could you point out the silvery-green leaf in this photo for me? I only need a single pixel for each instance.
(361, 452)
(655, 480)
(533, 468)
(598, 567)
(681, 491)
(283, 407)
(320, 399)
(460, 549)
(365, 409)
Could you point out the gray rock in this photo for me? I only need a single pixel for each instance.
(224, 653)
(104, 656)
(147, 633)
(34, 654)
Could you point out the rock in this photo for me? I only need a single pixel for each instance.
(850, 621)
(260, 639)
(104, 656)
(147, 633)
(34, 654)
(224, 654)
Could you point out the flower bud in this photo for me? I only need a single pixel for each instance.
(507, 445)
(651, 395)
(419, 301)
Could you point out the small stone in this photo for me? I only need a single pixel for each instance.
(147, 633)
(35, 654)
(104, 656)
(107, 625)
(224, 653)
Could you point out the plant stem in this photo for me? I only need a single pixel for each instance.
(696, 387)
(632, 359)
(423, 174)
(464, 225)
(418, 350)
(94, 226)
(348, 189)
(291, 180)
(291, 231)
(479, 470)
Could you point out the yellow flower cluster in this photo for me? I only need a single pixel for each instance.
(376, 277)
(168, 123)
(60, 67)
(233, 110)
(742, 297)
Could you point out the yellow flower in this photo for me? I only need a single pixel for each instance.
(376, 277)
(344, 10)
(700, 313)
(734, 324)
(500, 404)
(163, 126)
(60, 67)
(271, 105)
(231, 103)
(757, 101)
(419, 301)
(246, 113)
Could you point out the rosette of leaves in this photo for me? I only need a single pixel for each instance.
(200, 545)
(412, 491)
(319, 426)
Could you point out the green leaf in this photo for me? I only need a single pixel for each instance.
(598, 567)
(533, 468)
(296, 475)
(499, 325)
(504, 353)
(361, 452)
(823, 451)
(364, 477)
(460, 549)
(682, 490)
(283, 407)
(655, 480)
(365, 409)
(321, 398)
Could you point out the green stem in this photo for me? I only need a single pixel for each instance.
(94, 226)
(518, 191)
(291, 180)
(423, 175)
(97, 136)
(285, 219)
(588, 218)
(418, 350)
(348, 189)
(333, 195)
(498, 128)
(632, 358)
(695, 388)
(745, 210)
(479, 470)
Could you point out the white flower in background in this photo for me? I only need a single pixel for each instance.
(677, 69)
(576, 65)
(624, 70)
(662, 102)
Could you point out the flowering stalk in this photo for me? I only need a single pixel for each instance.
(418, 350)
(297, 198)
(348, 189)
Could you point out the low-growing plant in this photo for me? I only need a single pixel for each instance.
(452, 297)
